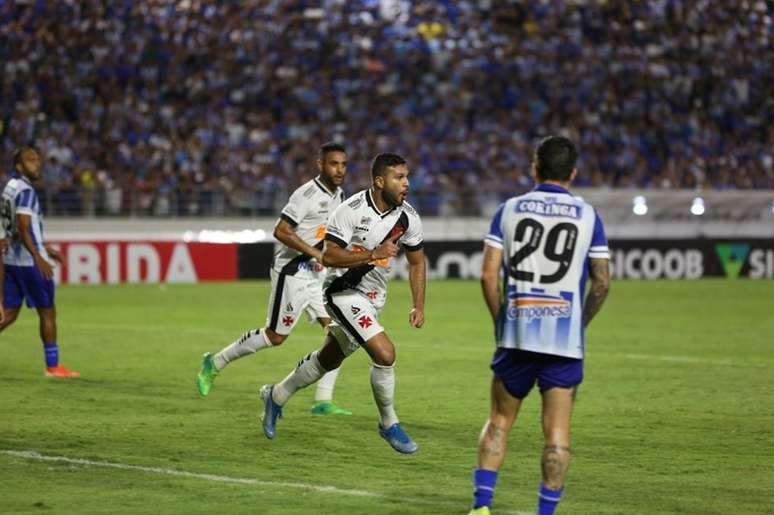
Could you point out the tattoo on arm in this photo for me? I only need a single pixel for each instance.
(599, 272)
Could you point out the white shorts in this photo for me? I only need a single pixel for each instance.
(355, 319)
(290, 297)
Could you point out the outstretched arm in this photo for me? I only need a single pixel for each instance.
(599, 273)
(418, 281)
(490, 278)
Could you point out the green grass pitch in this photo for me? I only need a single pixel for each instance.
(676, 413)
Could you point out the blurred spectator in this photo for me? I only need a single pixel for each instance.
(194, 107)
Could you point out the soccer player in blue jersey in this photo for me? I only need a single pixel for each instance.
(540, 250)
(29, 261)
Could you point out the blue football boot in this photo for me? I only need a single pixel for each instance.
(271, 411)
(398, 439)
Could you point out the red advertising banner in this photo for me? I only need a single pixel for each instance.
(96, 262)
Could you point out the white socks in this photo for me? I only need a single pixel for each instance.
(383, 386)
(325, 386)
(250, 342)
(306, 372)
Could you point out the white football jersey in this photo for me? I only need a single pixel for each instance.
(19, 197)
(358, 225)
(547, 237)
(307, 210)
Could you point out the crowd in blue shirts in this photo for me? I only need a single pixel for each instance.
(191, 107)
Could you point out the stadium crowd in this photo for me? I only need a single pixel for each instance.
(188, 107)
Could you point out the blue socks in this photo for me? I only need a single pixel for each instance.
(52, 354)
(483, 487)
(548, 499)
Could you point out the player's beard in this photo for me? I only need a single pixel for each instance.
(391, 199)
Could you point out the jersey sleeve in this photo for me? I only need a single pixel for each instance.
(598, 248)
(413, 238)
(494, 238)
(340, 226)
(296, 208)
(25, 202)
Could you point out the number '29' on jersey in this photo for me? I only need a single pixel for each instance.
(547, 237)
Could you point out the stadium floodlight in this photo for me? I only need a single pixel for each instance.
(639, 205)
(697, 206)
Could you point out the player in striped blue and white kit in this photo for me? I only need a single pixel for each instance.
(540, 251)
(28, 261)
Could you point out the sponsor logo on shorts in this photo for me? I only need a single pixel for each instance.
(530, 306)
(289, 307)
(365, 321)
(355, 310)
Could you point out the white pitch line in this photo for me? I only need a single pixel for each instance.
(695, 360)
(32, 455)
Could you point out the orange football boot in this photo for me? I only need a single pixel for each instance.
(60, 371)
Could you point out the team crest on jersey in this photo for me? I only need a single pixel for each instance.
(538, 304)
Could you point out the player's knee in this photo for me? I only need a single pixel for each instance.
(385, 358)
(501, 419)
(275, 338)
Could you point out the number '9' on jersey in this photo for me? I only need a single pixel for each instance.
(547, 237)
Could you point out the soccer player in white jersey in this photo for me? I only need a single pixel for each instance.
(297, 275)
(364, 234)
(28, 262)
(541, 248)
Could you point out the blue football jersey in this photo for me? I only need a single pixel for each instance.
(19, 197)
(547, 237)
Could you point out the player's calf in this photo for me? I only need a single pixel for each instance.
(11, 314)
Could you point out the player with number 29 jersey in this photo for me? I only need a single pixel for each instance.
(547, 237)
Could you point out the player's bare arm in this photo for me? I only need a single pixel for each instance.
(599, 274)
(25, 235)
(54, 254)
(418, 281)
(335, 256)
(490, 278)
(286, 234)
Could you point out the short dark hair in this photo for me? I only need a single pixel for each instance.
(555, 159)
(331, 146)
(17, 154)
(384, 161)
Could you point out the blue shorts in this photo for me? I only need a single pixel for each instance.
(519, 369)
(26, 282)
